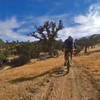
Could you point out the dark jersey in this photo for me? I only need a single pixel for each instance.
(69, 43)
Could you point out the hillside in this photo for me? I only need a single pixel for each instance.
(96, 37)
(39, 80)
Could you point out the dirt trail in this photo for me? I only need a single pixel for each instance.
(72, 86)
(78, 84)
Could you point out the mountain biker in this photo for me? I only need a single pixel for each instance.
(68, 47)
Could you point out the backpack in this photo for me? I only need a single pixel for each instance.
(69, 43)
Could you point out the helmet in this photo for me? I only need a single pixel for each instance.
(70, 37)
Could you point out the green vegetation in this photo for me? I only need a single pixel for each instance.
(3, 58)
(28, 49)
(47, 35)
(21, 60)
(87, 42)
(46, 44)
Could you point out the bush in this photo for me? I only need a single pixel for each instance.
(3, 58)
(55, 52)
(19, 61)
(77, 50)
(28, 49)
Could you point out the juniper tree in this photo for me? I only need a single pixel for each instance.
(47, 34)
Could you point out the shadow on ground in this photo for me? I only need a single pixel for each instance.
(22, 79)
(58, 72)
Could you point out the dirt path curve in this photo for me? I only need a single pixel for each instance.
(73, 86)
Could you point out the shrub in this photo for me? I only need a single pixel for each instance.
(28, 49)
(3, 58)
(55, 52)
(19, 61)
(77, 50)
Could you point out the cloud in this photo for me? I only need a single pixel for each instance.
(7, 30)
(76, 26)
(86, 25)
(23, 30)
(11, 29)
(41, 19)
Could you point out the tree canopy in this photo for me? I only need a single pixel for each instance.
(47, 34)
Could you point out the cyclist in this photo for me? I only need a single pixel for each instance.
(68, 47)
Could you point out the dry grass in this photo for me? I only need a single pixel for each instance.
(92, 59)
(22, 82)
(91, 64)
(31, 69)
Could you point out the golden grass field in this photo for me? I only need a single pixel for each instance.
(25, 82)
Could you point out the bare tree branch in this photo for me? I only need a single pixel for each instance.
(48, 33)
(34, 35)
